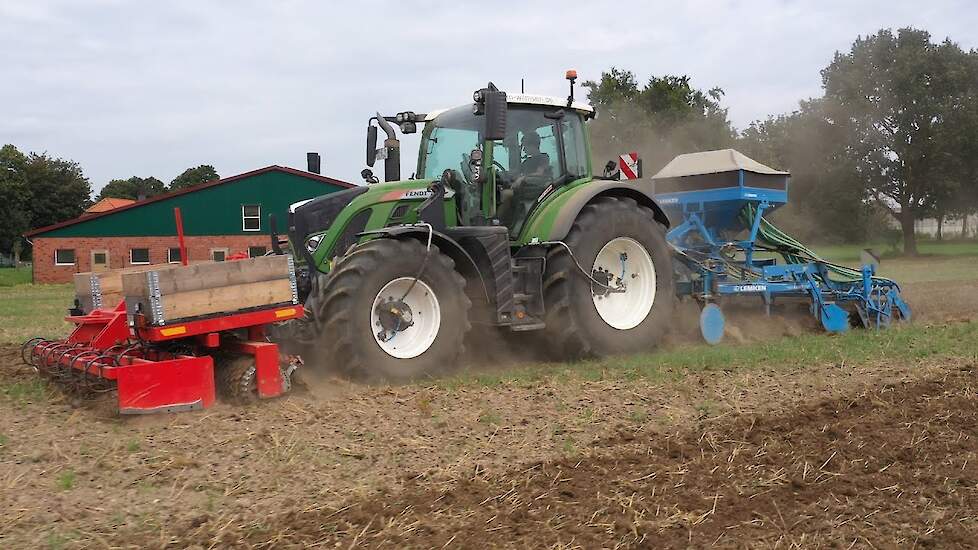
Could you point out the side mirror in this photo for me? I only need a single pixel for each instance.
(495, 110)
(371, 144)
(475, 164)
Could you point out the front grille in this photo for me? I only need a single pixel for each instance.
(318, 214)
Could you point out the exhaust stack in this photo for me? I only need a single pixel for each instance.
(313, 163)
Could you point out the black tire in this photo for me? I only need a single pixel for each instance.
(301, 336)
(575, 330)
(237, 378)
(344, 306)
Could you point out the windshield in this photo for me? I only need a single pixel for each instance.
(453, 135)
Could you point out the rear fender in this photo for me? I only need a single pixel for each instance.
(552, 220)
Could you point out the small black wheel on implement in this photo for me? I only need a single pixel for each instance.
(393, 310)
(236, 378)
(615, 293)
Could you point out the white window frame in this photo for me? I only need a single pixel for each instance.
(169, 257)
(243, 217)
(73, 252)
(257, 246)
(108, 260)
(148, 258)
(226, 251)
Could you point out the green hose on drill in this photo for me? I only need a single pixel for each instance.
(793, 251)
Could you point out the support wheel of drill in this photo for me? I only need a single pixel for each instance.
(626, 304)
(380, 321)
(237, 379)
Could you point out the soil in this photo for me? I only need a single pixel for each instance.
(830, 456)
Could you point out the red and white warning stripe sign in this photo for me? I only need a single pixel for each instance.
(628, 166)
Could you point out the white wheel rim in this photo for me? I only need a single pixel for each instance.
(625, 310)
(425, 316)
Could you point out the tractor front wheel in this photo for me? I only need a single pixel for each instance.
(393, 310)
(610, 290)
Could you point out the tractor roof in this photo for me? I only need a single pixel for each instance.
(530, 99)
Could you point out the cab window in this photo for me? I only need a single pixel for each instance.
(447, 147)
(572, 130)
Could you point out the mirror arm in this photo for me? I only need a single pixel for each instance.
(386, 126)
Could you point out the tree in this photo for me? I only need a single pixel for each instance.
(961, 132)
(58, 189)
(132, 188)
(665, 117)
(194, 176)
(827, 200)
(894, 94)
(14, 197)
(615, 87)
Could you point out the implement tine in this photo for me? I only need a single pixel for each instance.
(27, 350)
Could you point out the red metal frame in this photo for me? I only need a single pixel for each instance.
(218, 324)
(269, 377)
(104, 345)
(179, 384)
(100, 329)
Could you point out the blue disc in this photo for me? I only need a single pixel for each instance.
(834, 318)
(711, 323)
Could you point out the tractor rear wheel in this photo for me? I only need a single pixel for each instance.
(392, 310)
(625, 301)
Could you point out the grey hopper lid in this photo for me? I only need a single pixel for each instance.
(713, 162)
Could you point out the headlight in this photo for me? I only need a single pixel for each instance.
(312, 243)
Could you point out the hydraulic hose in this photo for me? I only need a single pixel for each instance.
(794, 252)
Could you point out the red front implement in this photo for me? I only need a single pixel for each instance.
(160, 368)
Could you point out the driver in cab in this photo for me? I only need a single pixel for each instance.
(533, 177)
(536, 163)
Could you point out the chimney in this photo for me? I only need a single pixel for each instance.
(313, 162)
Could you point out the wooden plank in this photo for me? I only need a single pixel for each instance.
(210, 301)
(210, 275)
(110, 284)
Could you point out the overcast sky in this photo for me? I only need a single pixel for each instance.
(150, 88)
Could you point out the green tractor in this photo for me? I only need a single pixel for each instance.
(504, 228)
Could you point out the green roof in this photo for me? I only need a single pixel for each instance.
(211, 208)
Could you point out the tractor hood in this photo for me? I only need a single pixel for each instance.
(316, 215)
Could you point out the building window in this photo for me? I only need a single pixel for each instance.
(255, 251)
(64, 256)
(219, 254)
(251, 217)
(100, 259)
(139, 256)
(173, 255)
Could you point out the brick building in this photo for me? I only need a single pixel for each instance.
(220, 218)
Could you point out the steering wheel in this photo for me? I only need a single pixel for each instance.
(504, 178)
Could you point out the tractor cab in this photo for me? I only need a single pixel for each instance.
(500, 155)
(542, 147)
